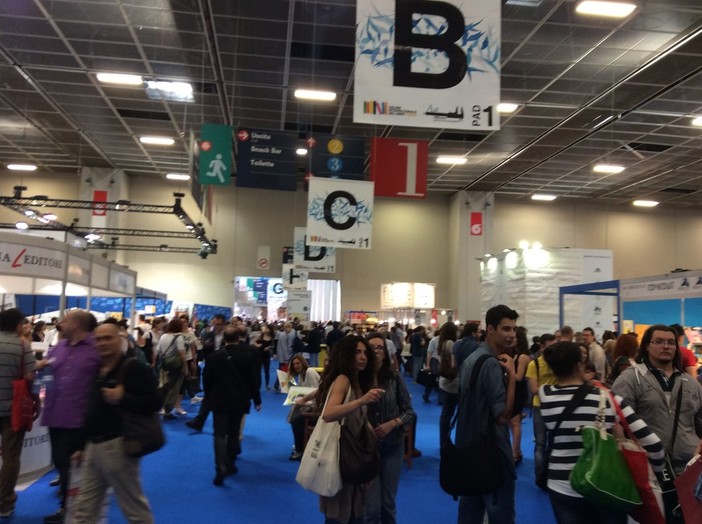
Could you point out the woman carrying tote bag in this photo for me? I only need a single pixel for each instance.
(351, 366)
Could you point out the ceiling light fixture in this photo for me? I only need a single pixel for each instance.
(608, 9)
(543, 197)
(310, 94)
(645, 203)
(22, 167)
(177, 176)
(172, 91)
(301, 151)
(22, 225)
(91, 237)
(507, 108)
(697, 121)
(452, 160)
(120, 78)
(609, 169)
(157, 140)
(49, 216)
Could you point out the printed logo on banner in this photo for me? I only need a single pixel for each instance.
(427, 63)
(313, 258)
(476, 224)
(340, 213)
(399, 167)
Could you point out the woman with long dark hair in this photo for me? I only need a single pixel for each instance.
(521, 362)
(348, 380)
(391, 416)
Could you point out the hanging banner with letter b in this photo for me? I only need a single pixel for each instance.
(339, 213)
(427, 63)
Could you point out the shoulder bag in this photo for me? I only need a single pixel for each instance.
(142, 433)
(601, 475)
(22, 400)
(171, 360)
(319, 468)
(651, 510)
(426, 378)
(474, 468)
(359, 457)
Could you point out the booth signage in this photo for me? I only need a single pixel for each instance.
(299, 304)
(313, 258)
(399, 167)
(18, 259)
(428, 63)
(78, 270)
(340, 213)
(683, 286)
(337, 156)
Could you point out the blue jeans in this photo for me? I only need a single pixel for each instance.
(498, 504)
(447, 412)
(314, 359)
(577, 510)
(540, 462)
(380, 497)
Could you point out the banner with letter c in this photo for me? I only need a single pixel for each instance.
(428, 63)
(340, 213)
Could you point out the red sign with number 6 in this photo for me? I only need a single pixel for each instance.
(476, 224)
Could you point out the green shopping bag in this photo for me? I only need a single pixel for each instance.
(601, 474)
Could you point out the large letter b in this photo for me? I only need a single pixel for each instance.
(405, 40)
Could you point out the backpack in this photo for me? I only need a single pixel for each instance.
(446, 367)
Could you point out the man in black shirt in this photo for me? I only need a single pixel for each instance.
(104, 462)
(231, 380)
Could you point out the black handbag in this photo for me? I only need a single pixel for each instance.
(474, 468)
(426, 378)
(359, 457)
(143, 433)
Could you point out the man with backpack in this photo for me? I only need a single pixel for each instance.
(484, 411)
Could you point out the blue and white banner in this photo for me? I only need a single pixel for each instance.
(340, 213)
(319, 259)
(428, 63)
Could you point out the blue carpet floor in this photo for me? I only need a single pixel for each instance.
(178, 479)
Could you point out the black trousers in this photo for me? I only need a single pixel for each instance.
(64, 443)
(226, 425)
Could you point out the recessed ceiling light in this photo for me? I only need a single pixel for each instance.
(507, 108)
(645, 203)
(301, 151)
(30, 213)
(545, 198)
(310, 94)
(22, 225)
(609, 9)
(49, 216)
(120, 78)
(697, 121)
(22, 167)
(157, 140)
(453, 160)
(167, 90)
(609, 169)
(177, 176)
(91, 237)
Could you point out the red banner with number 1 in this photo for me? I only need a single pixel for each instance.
(399, 167)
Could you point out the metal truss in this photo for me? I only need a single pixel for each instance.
(163, 248)
(105, 231)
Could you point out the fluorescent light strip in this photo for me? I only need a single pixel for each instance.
(645, 203)
(608, 9)
(542, 197)
(452, 160)
(120, 78)
(22, 167)
(697, 121)
(507, 108)
(177, 176)
(310, 94)
(157, 140)
(609, 169)
(301, 151)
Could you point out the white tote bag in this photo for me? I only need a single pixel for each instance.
(319, 468)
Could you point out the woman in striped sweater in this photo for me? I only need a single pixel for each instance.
(568, 362)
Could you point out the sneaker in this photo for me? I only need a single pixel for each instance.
(55, 481)
(181, 411)
(55, 517)
(295, 456)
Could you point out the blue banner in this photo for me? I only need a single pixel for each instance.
(266, 159)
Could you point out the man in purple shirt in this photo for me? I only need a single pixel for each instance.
(74, 362)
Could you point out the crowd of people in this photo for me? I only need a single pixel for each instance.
(223, 364)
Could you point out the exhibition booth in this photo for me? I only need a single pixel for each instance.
(37, 266)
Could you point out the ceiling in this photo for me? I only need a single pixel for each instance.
(589, 90)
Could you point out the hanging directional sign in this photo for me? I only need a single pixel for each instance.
(266, 159)
(294, 278)
(336, 156)
(340, 213)
(215, 154)
(313, 258)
